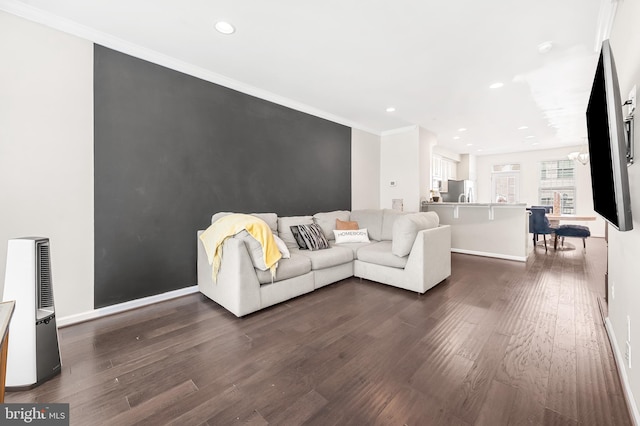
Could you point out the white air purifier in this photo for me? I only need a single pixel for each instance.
(33, 354)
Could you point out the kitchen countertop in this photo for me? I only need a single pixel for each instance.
(485, 229)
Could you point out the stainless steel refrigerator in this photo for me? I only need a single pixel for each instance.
(459, 191)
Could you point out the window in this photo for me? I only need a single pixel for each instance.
(505, 183)
(558, 176)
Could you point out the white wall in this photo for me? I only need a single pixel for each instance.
(405, 158)
(46, 152)
(467, 167)
(428, 141)
(399, 162)
(624, 247)
(365, 170)
(529, 179)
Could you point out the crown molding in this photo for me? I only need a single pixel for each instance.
(399, 130)
(40, 16)
(606, 17)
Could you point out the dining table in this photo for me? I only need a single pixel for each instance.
(554, 219)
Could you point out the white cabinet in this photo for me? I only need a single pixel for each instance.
(443, 169)
(448, 169)
(437, 167)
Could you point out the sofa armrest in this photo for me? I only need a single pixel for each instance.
(237, 288)
(430, 259)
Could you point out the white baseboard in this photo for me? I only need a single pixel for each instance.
(121, 307)
(487, 254)
(622, 372)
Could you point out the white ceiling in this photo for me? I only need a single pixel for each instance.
(349, 60)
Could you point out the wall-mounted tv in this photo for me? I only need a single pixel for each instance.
(607, 145)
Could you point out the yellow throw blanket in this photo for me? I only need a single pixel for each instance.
(230, 225)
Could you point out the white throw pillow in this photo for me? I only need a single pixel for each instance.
(284, 251)
(351, 236)
(253, 248)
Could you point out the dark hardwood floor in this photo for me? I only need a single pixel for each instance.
(498, 343)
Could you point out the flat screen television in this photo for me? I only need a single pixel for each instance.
(607, 145)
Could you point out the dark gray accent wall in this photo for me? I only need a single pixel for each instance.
(171, 150)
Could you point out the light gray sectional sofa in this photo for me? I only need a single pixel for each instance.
(422, 259)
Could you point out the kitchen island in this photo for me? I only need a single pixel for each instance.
(486, 229)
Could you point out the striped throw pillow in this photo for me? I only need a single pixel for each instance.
(313, 237)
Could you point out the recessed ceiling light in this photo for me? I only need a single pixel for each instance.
(391, 109)
(462, 129)
(496, 85)
(456, 137)
(523, 128)
(530, 137)
(225, 28)
(469, 144)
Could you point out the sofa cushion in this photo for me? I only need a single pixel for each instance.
(351, 246)
(406, 227)
(389, 217)
(219, 215)
(284, 228)
(295, 266)
(270, 218)
(370, 219)
(327, 221)
(380, 254)
(321, 259)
